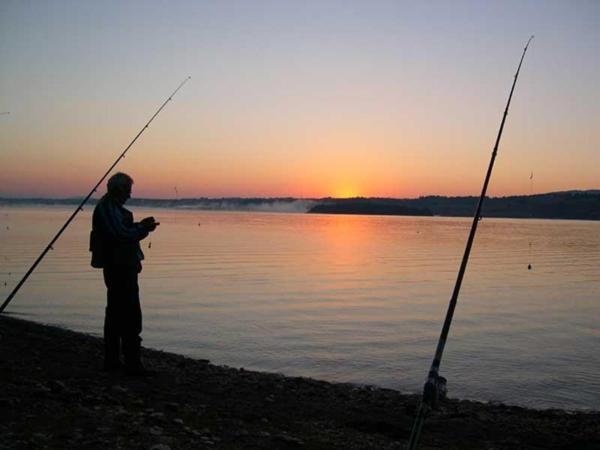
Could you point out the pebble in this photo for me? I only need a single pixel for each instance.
(290, 439)
(166, 440)
(119, 388)
(156, 431)
(41, 390)
(160, 447)
(58, 385)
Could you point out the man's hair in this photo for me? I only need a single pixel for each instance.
(118, 182)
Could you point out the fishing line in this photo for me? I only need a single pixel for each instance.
(84, 201)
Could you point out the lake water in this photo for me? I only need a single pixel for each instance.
(342, 298)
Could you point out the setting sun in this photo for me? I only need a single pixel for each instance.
(346, 192)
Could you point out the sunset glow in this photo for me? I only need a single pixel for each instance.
(315, 99)
(346, 192)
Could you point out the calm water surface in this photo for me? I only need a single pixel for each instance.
(342, 298)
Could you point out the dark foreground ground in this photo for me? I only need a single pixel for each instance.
(52, 395)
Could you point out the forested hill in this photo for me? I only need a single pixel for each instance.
(580, 205)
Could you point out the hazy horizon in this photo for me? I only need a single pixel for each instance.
(264, 197)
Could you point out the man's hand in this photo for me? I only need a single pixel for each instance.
(149, 223)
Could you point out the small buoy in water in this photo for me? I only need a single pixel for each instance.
(528, 266)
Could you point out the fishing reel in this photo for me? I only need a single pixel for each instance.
(434, 390)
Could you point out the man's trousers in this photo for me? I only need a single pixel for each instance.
(123, 319)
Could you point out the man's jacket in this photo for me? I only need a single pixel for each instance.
(115, 237)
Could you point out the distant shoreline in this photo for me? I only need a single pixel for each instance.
(568, 205)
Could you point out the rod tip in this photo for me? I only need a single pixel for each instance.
(528, 41)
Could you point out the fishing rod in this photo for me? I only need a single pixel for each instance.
(435, 386)
(84, 201)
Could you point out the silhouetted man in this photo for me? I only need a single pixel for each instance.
(115, 247)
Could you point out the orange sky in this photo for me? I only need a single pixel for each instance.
(312, 100)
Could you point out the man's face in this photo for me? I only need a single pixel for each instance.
(122, 195)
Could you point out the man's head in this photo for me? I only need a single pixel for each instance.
(119, 187)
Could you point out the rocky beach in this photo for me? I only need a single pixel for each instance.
(55, 396)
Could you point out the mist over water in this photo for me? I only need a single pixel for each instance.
(343, 298)
(286, 206)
